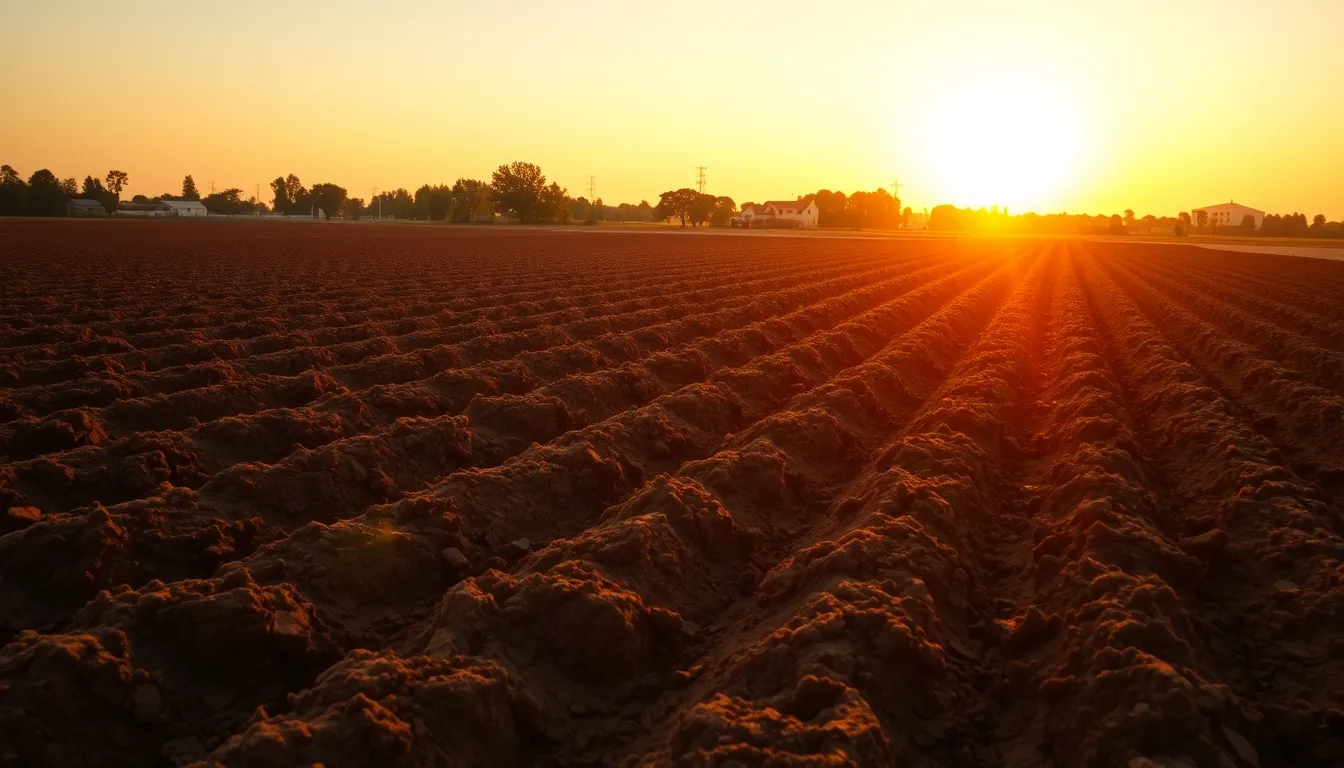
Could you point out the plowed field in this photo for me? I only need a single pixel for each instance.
(383, 496)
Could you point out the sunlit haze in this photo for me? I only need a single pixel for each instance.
(1048, 105)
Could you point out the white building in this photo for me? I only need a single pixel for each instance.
(183, 208)
(783, 214)
(917, 221)
(1227, 215)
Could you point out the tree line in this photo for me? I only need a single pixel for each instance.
(948, 218)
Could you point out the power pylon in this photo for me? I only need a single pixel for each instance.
(700, 177)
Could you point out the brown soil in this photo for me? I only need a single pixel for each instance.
(410, 496)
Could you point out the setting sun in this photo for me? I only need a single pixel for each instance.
(1011, 142)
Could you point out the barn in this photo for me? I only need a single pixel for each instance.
(84, 208)
(184, 208)
(1228, 214)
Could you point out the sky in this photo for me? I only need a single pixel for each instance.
(1048, 105)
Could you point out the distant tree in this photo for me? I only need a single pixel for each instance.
(327, 198)
(702, 210)
(724, 210)
(353, 209)
(1318, 221)
(116, 181)
(1202, 219)
(1129, 219)
(1117, 225)
(280, 195)
(1183, 225)
(294, 188)
(678, 204)
(553, 206)
(396, 204)
(645, 210)
(1248, 224)
(94, 190)
(46, 197)
(472, 200)
(433, 202)
(946, 218)
(1149, 221)
(189, 189)
(13, 192)
(230, 202)
(519, 189)
(832, 209)
(70, 187)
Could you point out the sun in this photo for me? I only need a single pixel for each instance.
(1011, 142)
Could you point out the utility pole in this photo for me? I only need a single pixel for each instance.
(592, 198)
(373, 195)
(700, 177)
(212, 187)
(896, 189)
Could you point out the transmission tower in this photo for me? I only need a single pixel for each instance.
(700, 177)
(592, 189)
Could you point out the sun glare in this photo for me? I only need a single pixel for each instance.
(1006, 142)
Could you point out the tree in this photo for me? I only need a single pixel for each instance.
(724, 210)
(519, 188)
(1183, 228)
(327, 198)
(280, 195)
(1318, 221)
(69, 187)
(433, 202)
(1248, 224)
(1117, 225)
(702, 210)
(473, 200)
(230, 202)
(678, 204)
(13, 193)
(831, 209)
(189, 189)
(45, 194)
(1202, 219)
(553, 205)
(1129, 219)
(397, 204)
(94, 190)
(116, 181)
(353, 209)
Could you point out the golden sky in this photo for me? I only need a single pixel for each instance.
(1077, 105)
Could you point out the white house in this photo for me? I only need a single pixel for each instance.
(183, 208)
(1227, 215)
(784, 214)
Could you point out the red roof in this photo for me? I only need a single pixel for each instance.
(790, 206)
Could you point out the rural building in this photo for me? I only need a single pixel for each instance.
(183, 208)
(781, 214)
(917, 221)
(84, 208)
(1228, 215)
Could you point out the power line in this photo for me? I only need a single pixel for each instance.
(700, 177)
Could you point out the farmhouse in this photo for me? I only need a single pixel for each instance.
(84, 208)
(183, 208)
(783, 214)
(1228, 215)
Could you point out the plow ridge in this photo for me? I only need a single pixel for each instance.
(443, 496)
